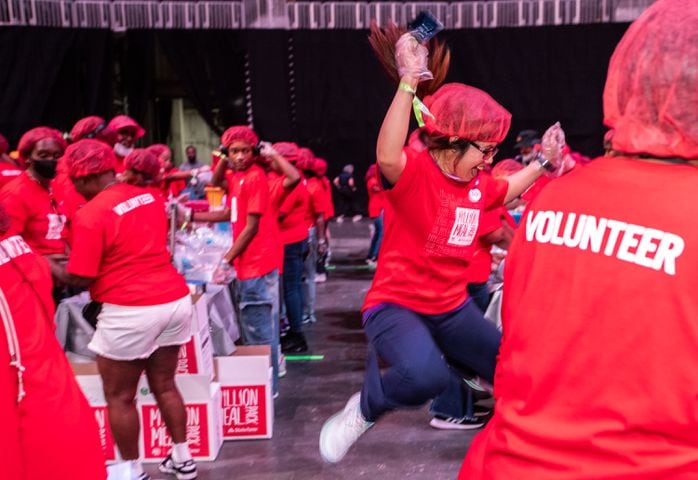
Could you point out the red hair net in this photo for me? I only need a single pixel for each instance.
(142, 161)
(239, 133)
(320, 166)
(33, 136)
(306, 159)
(652, 86)
(93, 127)
(158, 149)
(506, 167)
(466, 112)
(4, 221)
(288, 150)
(4, 145)
(121, 122)
(88, 157)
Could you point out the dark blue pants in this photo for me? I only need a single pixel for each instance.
(418, 349)
(294, 255)
(376, 238)
(480, 294)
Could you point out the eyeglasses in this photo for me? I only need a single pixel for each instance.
(487, 153)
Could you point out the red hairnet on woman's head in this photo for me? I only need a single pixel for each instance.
(88, 157)
(506, 167)
(320, 166)
(122, 122)
(240, 133)
(4, 145)
(33, 136)
(4, 221)
(93, 127)
(142, 161)
(466, 112)
(306, 159)
(288, 150)
(651, 91)
(158, 149)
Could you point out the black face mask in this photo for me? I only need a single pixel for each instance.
(45, 168)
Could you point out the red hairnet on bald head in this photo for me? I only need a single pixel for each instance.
(4, 145)
(288, 150)
(239, 133)
(306, 159)
(506, 167)
(651, 93)
(4, 221)
(142, 161)
(124, 122)
(34, 136)
(88, 157)
(320, 166)
(466, 112)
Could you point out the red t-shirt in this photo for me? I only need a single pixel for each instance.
(120, 238)
(481, 263)
(34, 215)
(375, 198)
(317, 200)
(174, 187)
(249, 194)
(329, 206)
(277, 196)
(596, 375)
(294, 227)
(8, 172)
(33, 428)
(431, 231)
(68, 199)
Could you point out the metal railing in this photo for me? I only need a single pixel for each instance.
(120, 15)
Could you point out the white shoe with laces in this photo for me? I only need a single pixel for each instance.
(342, 430)
(183, 471)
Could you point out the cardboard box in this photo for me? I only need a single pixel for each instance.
(90, 383)
(196, 356)
(202, 401)
(247, 403)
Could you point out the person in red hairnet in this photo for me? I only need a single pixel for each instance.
(35, 214)
(171, 185)
(9, 168)
(128, 131)
(143, 169)
(596, 375)
(375, 212)
(93, 127)
(49, 430)
(417, 315)
(120, 253)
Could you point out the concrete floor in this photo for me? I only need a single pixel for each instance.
(401, 445)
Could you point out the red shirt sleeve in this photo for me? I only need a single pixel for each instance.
(17, 211)
(495, 192)
(318, 201)
(88, 246)
(491, 220)
(408, 178)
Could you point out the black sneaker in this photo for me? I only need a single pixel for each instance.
(183, 471)
(294, 342)
(450, 423)
(144, 476)
(481, 411)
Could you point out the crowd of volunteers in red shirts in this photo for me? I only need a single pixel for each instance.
(592, 366)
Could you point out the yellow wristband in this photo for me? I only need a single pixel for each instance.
(407, 88)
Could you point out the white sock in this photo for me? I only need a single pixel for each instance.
(180, 452)
(136, 468)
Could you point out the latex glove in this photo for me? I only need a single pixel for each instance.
(552, 148)
(223, 274)
(267, 150)
(411, 58)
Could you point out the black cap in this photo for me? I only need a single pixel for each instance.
(527, 138)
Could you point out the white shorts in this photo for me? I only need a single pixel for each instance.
(130, 333)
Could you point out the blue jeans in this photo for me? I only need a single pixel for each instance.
(259, 311)
(415, 347)
(294, 254)
(480, 295)
(377, 237)
(309, 274)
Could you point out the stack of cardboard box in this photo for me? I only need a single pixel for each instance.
(225, 397)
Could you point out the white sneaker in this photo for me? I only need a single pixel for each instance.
(320, 277)
(340, 219)
(356, 218)
(342, 430)
(282, 365)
